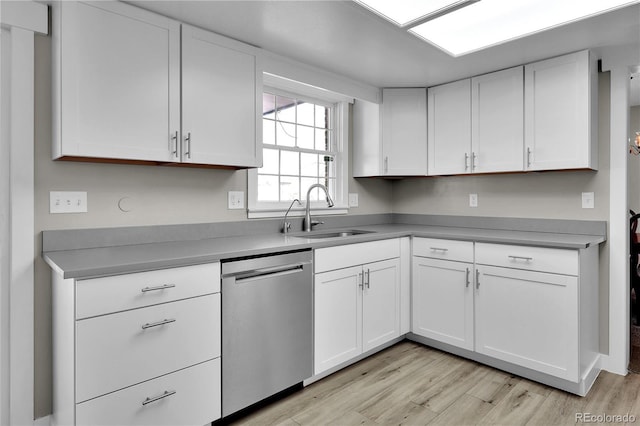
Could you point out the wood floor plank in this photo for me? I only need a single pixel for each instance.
(466, 410)
(405, 413)
(516, 408)
(613, 394)
(559, 408)
(494, 386)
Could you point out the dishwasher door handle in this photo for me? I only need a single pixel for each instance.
(264, 273)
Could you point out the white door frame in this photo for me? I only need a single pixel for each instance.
(19, 21)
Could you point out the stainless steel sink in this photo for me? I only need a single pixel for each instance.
(332, 234)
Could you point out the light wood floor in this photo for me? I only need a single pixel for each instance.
(411, 384)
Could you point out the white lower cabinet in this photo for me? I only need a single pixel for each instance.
(357, 308)
(148, 354)
(533, 308)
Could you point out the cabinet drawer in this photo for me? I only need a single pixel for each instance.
(461, 251)
(99, 296)
(330, 258)
(558, 261)
(196, 400)
(119, 350)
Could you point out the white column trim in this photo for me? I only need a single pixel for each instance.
(21, 19)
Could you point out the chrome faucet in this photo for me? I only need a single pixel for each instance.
(308, 223)
(286, 226)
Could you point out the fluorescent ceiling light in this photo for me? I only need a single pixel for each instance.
(491, 22)
(405, 12)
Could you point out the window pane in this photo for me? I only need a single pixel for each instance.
(267, 188)
(289, 188)
(322, 117)
(306, 183)
(269, 132)
(270, 162)
(327, 166)
(309, 164)
(305, 137)
(268, 105)
(322, 140)
(289, 163)
(286, 109)
(305, 113)
(285, 134)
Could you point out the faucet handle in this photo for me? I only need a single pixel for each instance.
(316, 222)
(286, 227)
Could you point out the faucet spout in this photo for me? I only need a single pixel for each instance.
(308, 223)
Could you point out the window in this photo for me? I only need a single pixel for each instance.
(303, 139)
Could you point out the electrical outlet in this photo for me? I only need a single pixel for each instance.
(353, 199)
(588, 200)
(68, 202)
(473, 200)
(236, 200)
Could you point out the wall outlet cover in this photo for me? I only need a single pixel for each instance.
(588, 200)
(236, 200)
(353, 199)
(473, 200)
(68, 202)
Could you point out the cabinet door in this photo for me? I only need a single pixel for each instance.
(337, 317)
(119, 82)
(528, 319)
(449, 127)
(497, 132)
(404, 132)
(558, 132)
(443, 301)
(221, 101)
(367, 139)
(380, 303)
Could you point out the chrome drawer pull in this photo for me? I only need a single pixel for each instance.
(528, 259)
(156, 324)
(477, 279)
(468, 282)
(158, 398)
(158, 287)
(439, 249)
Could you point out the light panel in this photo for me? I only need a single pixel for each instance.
(491, 22)
(404, 12)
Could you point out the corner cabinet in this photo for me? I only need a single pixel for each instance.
(138, 349)
(357, 300)
(561, 98)
(124, 79)
(390, 138)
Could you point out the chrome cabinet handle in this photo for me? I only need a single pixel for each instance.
(466, 161)
(528, 259)
(386, 164)
(158, 398)
(188, 144)
(158, 323)
(528, 157)
(174, 144)
(158, 287)
(444, 250)
(477, 279)
(468, 282)
(368, 281)
(473, 161)
(361, 280)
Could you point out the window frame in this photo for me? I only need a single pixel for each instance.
(340, 104)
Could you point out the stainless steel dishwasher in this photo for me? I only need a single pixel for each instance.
(267, 327)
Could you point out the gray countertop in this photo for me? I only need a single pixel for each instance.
(114, 260)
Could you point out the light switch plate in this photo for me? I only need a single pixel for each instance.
(353, 199)
(68, 202)
(588, 200)
(473, 200)
(236, 200)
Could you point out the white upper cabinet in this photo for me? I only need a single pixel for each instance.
(404, 132)
(560, 107)
(449, 127)
(391, 139)
(221, 100)
(497, 121)
(116, 82)
(124, 79)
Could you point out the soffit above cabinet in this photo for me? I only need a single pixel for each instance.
(342, 37)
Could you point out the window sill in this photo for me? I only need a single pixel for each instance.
(262, 214)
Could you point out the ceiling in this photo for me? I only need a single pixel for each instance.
(344, 38)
